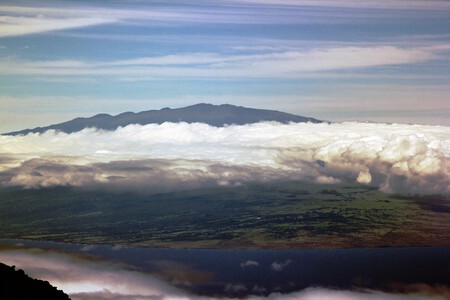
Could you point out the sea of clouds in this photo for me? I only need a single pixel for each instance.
(91, 278)
(149, 158)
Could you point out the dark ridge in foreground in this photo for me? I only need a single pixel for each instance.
(214, 115)
(16, 285)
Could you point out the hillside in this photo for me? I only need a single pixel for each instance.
(214, 115)
(16, 285)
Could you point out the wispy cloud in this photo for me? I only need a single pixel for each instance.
(299, 61)
(286, 64)
(29, 20)
(22, 20)
(398, 4)
(13, 26)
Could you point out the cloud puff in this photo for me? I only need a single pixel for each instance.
(393, 157)
(249, 263)
(280, 265)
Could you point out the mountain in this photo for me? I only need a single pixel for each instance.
(16, 285)
(215, 115)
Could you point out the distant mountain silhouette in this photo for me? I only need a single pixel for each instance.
(215, 115)
(16, 285)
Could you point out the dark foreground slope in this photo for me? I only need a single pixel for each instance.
(16, 285)
(214, 115)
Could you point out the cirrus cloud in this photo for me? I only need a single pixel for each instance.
(287, 64)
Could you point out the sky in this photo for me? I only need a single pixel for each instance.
(378, 61)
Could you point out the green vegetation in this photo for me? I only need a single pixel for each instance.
(276, 215)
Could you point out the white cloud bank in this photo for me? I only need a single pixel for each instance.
(395, 158)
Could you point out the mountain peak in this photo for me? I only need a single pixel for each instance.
(214, 115)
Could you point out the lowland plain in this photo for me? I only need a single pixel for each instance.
(278, 215)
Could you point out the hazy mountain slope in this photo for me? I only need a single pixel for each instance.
(215, 115)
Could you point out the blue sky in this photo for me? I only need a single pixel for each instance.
(384, 61)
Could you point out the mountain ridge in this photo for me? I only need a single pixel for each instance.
(16, 285)
(214, 115)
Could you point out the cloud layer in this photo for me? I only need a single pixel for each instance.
(84, 278)
(395, 158)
